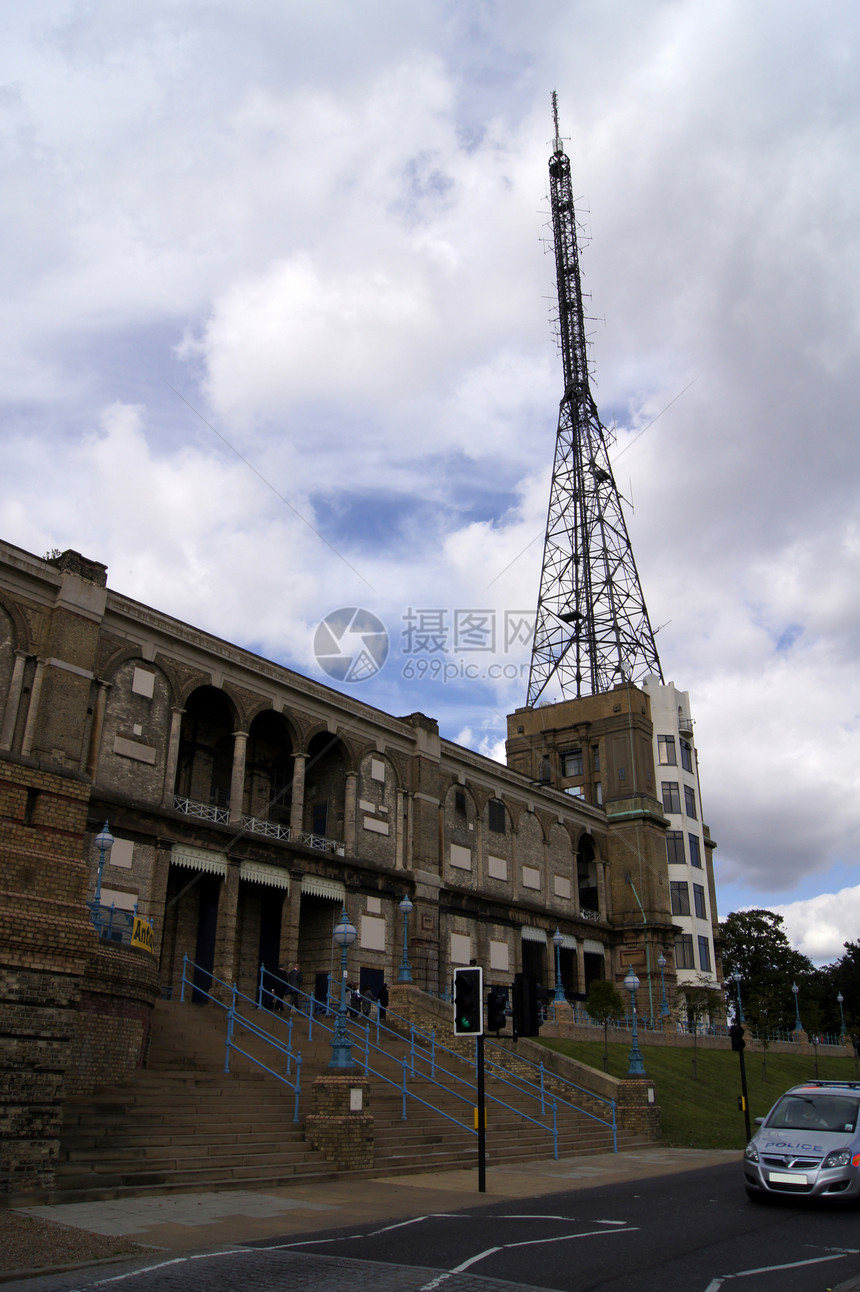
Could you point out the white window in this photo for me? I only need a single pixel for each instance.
(122, 853)
(372, 933)
(499, 956)
(461, 857)
(561, 886)
(461, 948)
(143, 682)
(377, 769)
(531, 877)
(497, 867)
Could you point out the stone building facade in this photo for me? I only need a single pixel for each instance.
(249, 804)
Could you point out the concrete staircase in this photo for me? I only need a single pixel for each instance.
(183, 1124)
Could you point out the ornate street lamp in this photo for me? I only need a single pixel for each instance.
(636, 1064)
(798, 1026)
(341, 1050)
(839, 1000)
(557, 940)
(104, 843)
(736, 979)
(404, 973)
(664, 1004)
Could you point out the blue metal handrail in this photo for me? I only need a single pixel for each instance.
(495, 1069)
(232, 1015)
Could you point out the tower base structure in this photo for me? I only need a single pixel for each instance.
(630, 751)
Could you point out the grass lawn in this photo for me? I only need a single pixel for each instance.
(702, 1111)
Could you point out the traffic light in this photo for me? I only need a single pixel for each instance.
(468, 1002)
(496, 1010)
(736, 1032)
(526, 1010)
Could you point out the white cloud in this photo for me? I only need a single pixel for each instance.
(321, 225)
(820, 926)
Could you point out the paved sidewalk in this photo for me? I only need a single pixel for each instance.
(184, 1222)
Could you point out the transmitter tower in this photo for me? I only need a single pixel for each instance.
(592, 629)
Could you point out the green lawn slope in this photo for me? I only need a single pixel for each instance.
(701, 1111)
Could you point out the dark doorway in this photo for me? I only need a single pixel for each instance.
(372, 978)
(534, 962)
(594, 968)
(207, 923)
(270, 937)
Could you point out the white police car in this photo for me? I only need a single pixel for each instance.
(808, 1145)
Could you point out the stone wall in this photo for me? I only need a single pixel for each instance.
(118, 991)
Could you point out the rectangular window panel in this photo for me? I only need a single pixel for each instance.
(686, 755)
(461, 857)
(598, 793)
(496, 815)
(666, 751)
(690, 801)
(684, 952)
(531, 877)
(595, 758)
(371, 933)
(680, 894)
(561, 886)
(571, 762)
(699, 901)
(695, 853)
(497, 867)
(575, 791)
(377, 769)
(704, 955)
(461, 948)
(671, 796)
(499, 956)
(675, 847)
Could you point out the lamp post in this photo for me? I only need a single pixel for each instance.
(664, 1004)
(798, 1026)
(839, 1000)
(557, 939)
(404, 973)
(341, 1050)
(104, 843)
(636, 1064)
(736, 979)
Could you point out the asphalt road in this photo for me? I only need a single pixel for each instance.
(690, 1232)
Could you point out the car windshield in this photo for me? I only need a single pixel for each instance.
(815, 1112)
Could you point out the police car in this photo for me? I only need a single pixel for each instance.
(808, 1145)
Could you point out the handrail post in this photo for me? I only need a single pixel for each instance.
(310, 1019)
(542, 1109)
(298, 1086)
(182, 986)
(403, 1111)
(231, 1015)
(555, 1130)
(433, 1054)
(260, 987)
(614, 1131)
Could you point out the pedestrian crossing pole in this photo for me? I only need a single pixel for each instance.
(482, 1117)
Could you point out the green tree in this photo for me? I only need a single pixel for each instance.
(701, 1002)
(605, 1006)
(755, 946)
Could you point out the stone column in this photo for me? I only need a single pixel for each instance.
(601, 888)
(349, 812)
(297, 802)
(226, 958)
(10, 718)
(33, 708)
(237, 777)
(580, 965)
(96, 729)
(172, 756)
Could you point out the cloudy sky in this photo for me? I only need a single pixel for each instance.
(277, 320)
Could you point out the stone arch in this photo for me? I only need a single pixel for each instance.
(205, 762)
(325, 785)
(269, 768)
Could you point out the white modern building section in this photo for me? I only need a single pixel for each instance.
(691, 891)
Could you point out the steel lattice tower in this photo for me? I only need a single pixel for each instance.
(592, 629)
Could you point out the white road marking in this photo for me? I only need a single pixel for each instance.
(345, 1238)
(715, 1284)
(531, 1242)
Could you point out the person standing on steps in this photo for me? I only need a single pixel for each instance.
(294, 983)
(382, 1002)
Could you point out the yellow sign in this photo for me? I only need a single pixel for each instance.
(142, 935)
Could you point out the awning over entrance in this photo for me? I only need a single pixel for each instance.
(533, 935)
(215, 863)
(316, 886)
(257, 872)
(568, 942)
(592, 948)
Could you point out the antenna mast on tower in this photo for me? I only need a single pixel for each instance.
(592, 629)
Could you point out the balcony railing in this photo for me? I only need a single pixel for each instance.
(256, 825)
(594, 916)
